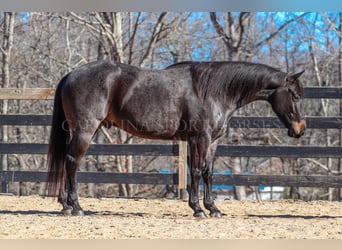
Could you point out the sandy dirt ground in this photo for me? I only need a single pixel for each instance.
(35, 217)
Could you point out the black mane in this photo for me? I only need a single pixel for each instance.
(230, 81)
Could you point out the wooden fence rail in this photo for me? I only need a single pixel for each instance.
(332, 122)
(173, 149)
(48, 93)
(172, 179)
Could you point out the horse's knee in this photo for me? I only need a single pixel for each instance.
(196, 172)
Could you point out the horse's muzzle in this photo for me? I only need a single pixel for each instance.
(298, 129)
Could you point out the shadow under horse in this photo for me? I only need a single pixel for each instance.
(190, 101)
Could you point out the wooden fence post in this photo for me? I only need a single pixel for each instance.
(182, 168)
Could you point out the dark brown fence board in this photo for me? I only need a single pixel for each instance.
(95, 177)
(23, 148)
(280, 180)
(274, 122)
(128, 178)
(172, 179)
(95, 149)
(279, 151)
(26, 120)
(133, 149)
(23, 176)
(323, 92)
(235, 122)
(172, 150)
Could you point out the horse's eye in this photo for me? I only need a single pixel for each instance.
(295, 96)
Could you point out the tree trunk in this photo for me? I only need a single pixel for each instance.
(7, 44)
(339, 191)
(239, 191)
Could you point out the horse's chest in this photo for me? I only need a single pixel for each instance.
(218, 121)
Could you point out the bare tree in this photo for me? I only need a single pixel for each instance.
(6, 48)
(233, 35)
(339, 192)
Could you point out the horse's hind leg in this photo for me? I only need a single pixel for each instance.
(76, 150)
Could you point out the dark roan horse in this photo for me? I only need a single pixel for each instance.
(190, 101)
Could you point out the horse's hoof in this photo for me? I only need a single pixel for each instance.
(200, 214)
(77, 213)
(216, 214)
(67, 211)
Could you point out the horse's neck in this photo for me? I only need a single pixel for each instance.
(250, 95)
(252, 86)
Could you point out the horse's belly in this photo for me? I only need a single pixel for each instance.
(150, 107)
(153, 124)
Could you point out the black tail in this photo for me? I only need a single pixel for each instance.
(57, 145)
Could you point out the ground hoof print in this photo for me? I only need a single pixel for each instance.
(200, 214)
(77, 213)
(216, 214)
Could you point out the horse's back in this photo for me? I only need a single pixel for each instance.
(147, 103)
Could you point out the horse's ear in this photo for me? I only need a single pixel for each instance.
(293, 77)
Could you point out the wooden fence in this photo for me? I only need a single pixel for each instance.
(175, 150)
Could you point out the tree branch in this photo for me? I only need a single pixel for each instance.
(154, 38)
(130, 43)
(220, 31)
(283, 26)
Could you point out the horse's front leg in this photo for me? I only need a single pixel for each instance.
(195, 174)
(193, 195)
(207, 174)
(208, 195)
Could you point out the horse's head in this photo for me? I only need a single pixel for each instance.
(286, 101)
